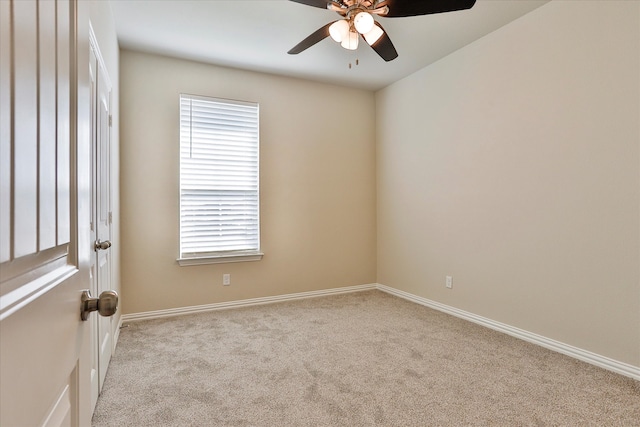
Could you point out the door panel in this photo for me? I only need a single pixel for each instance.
(47, 127)
(44, 239)
(63, 27)
(33, 379)
(103, 220)
(25, 132)
(60, 414)
(101, 209)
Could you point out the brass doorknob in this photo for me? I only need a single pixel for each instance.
(106, 304)
(101, 245)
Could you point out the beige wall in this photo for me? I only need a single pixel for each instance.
(104, 29)
(513, 166)
(317, 185)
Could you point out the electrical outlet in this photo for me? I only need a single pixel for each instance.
(449, 283)
(226, 279)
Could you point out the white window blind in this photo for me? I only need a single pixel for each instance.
(219, 171)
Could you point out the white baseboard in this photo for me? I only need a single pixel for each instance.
(158, 314)
(569, 350)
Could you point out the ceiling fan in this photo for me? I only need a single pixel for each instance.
(357, 20)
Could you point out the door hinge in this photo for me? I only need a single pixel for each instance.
(110, 218)
(110, 120)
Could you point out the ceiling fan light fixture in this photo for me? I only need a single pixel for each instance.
(357, 20)
(374, 35)
(339, 30)
(363, 22)
(351, 41)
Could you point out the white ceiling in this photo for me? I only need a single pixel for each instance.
(256, 35)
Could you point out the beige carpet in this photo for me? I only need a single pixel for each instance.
(361, 359)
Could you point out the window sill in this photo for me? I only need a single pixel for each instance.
(220, 259)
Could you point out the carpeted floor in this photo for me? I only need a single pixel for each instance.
(360, 359)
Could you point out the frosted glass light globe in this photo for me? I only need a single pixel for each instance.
(339, 30)
(363, 22)
(372, 36)
(351, 42)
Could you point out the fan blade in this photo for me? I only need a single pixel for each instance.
(401, 8)
(319, 35)
(384, 47)
(322, 4)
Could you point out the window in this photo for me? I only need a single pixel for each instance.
(219, 191)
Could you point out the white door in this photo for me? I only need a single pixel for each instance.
(44, 213)
(100, 269)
